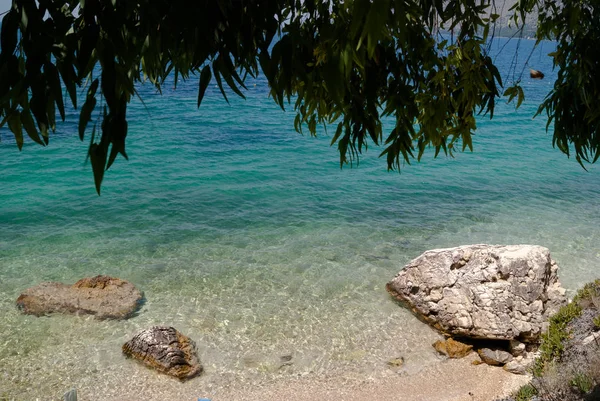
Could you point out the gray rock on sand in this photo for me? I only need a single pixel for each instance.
(516, 348)
(591, 338)
(516, 367)
(494, 357)
(102, 296)
(166, 350)
(483, 291)
(522, 364)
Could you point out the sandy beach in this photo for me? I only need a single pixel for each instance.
(449, 380)
(452, 380)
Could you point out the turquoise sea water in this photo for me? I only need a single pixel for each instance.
(248, 237)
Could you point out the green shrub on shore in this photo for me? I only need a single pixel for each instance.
(553, 341)
(597, 322)
(582, 382)
(525, 393)
(567, 366)
(588, 293)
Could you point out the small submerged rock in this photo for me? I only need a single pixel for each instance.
(70, 395)
(286, 360)
(396, 362)
(166, 350)
(102, 296)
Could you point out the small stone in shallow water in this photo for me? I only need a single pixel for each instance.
(396, 362)
(286, 360)
(70, 395)
(166, 350)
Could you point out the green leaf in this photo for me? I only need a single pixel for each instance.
(68, 76)
(219, 83)
(515, 91)
(24, 20)
(29, 126)
(227, 75)
(97, 153)
(337, 134)
(38, 109)
(14, 124)
(8, 39)
(521, 96)
(54, 85)
(118, 127)
(89, 41)
(231, 68)
(205, 77)
(51, 113)
(88, 108)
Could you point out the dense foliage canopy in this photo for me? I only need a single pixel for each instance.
(342, 62)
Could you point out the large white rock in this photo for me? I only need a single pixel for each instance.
(483, 291)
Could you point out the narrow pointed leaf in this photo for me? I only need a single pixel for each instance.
(54, 84)
(227, 77)
(97, 153)
(14, 123)
(29, 126)
(88, 108)
(205, 77)
(220, 83)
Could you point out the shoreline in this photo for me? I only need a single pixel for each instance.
(448, 380)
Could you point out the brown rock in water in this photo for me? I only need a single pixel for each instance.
(102, 296)
(535, 74)
(166, 350)
(452, 348)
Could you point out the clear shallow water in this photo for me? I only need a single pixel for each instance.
(250, 239)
